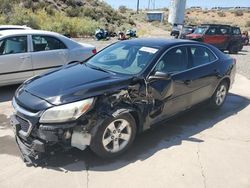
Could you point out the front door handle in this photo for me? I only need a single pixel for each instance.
(61, 53)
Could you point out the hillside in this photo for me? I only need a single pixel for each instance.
(239, 18)
(74, 17)
(80, 18)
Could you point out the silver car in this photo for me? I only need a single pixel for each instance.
(26, 53)
(10, 27)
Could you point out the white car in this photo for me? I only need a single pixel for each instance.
(26, 53)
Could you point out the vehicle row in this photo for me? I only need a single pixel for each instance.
(224, 37)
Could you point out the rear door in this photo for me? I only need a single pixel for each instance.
(48, 52)
(15, 60)
(204, 77)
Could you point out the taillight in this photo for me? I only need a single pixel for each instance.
(94, 51)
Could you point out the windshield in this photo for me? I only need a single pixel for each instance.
(124, 58)
(187, 30)
(200, 30)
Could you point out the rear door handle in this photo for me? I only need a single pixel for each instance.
(216, 71)
(187, 82)
(24, 57)
(61, 53)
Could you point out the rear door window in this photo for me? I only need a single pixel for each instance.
(201, 56)
(46, 43)
(13, 45)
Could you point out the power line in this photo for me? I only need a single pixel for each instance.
(151, 4)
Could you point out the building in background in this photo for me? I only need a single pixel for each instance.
(155, 16)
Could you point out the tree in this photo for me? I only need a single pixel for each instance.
(122, 9)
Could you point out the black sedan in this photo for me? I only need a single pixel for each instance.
(119, 92)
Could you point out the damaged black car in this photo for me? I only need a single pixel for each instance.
(121, 91)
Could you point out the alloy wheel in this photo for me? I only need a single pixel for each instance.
(117, 135)
(221, 94)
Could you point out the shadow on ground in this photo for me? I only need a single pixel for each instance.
(7, 92)
(163, 136)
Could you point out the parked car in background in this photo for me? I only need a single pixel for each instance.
(224, 37)
(10, 27)
(26, 53)
(186, 30)
(176, 31)
(116, 94)
(182, 32)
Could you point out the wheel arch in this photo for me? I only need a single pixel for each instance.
(134, 113)
(224, 79)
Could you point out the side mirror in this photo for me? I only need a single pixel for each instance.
(159, 76)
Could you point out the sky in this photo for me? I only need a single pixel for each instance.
(165, 3)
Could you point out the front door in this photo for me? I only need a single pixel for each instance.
(173, 95)
(15, 60)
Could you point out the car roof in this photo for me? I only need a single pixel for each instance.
(216, 25)
(31, 31)
(14, 26)
(159, 42)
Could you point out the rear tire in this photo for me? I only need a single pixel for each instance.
(233, 49)
(114, 136)
(219, 95)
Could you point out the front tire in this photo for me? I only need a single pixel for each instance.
(114, 136)
(219, 95)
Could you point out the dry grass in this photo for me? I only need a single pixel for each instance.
(239, 18)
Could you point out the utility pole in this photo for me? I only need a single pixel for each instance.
(138, 4)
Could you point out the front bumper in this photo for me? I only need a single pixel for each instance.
(44, 140)
(33, 153)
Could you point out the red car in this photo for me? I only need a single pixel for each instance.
(224, 37)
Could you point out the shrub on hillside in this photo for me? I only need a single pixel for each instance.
(238, 13)
(22, 16)
(248, 23)
(73, 12)
(5, 6)
(50, 10)
(221, 14)
(122, 9)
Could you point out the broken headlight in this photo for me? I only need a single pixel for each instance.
(66, 112)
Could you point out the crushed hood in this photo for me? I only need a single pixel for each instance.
(73, 83)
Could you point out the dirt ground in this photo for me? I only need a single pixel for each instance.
(201, 148)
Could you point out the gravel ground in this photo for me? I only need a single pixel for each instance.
(243, 61)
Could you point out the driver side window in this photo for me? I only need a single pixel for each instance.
(175, 60)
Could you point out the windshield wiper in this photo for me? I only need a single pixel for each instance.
(97, 68)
